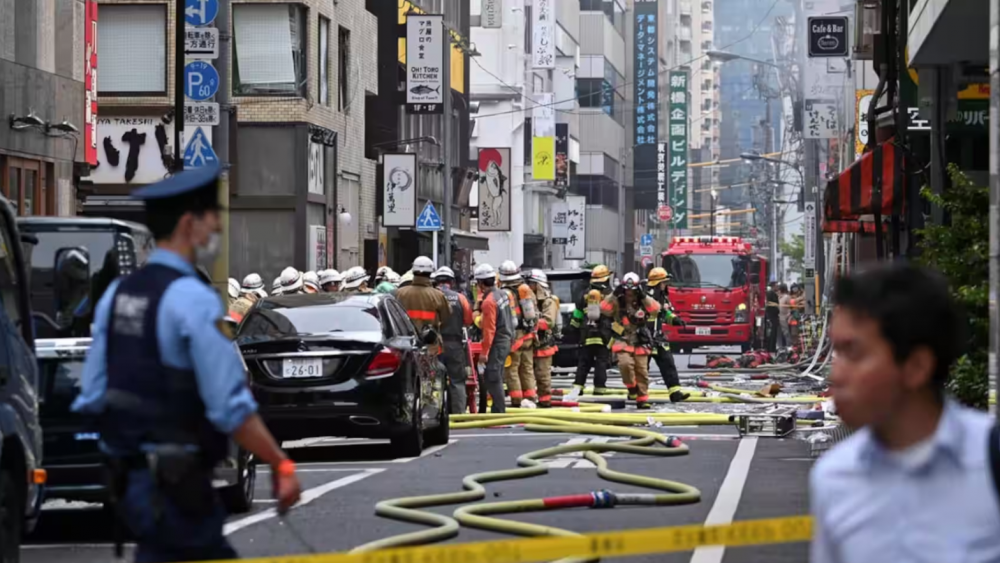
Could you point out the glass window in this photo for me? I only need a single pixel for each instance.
(30, 185)
(60, 384)
(589, 92)
(344, 68)
(568, 290)
(281, 317)
(269, 50)
(324, 61)
(14, 188)
(704, 270)
(399, 318)
(132, 48)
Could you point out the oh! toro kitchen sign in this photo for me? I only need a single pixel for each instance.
(90, 84)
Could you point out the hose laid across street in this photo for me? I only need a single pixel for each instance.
(483, 516)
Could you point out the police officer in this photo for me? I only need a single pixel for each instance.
(168, 387)
(496, 321)
(656, 288)
(594, 332)
(454, 355)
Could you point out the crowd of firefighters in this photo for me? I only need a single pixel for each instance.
(515, 320)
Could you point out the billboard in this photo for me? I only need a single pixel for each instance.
(543, 158)
(399, 190)
(646, 94)
(424, 70)
(90, 84)
(494, 189)
(677, 166)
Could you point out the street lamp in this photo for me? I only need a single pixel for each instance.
(711, 214)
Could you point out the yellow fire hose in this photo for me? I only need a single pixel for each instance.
(482, 516)
(697, 398)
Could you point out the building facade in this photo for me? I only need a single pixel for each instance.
(44, 138)
(302, 192)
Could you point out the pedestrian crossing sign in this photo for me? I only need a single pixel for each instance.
(199, 151)
(429, 220)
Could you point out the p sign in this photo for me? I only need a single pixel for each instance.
(201, 80)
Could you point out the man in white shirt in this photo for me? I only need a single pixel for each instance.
(913, 483)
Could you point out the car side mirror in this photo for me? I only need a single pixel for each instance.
(429, 336)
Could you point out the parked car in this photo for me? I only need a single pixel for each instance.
(568, 285)
(341, 364)
(21, 478)
(72, 458)
(72, 261)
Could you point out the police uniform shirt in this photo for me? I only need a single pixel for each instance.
(190, 338)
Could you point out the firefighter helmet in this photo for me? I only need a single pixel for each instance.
(234, 288)
(509, 271)
(630, 281)
(444, 273)
(539, 277)
(484, 272)
(600, 274)
(355, 277)
(656, 276)
(291, 280)
(423, 266)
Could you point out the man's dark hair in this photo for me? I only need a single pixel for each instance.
(489, 282)
(162, 215)
(913, 307)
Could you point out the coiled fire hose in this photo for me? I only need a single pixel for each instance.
(484, 516)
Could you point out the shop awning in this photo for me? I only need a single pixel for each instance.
(875, 183)
(852, 226)
(469, 241)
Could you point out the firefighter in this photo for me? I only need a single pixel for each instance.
(497, 325)
(632, 314)
(310, 282)
(234, 290)
(426, 306)
(656, 288)
(594, 333)
(520, 374)
(546, 337)
(356, 281)
(454, 354)
(329, 281)
(291, 281)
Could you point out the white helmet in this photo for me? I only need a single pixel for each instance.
(311, 279)
(422, 266)
(253, 284)
(539, 277)
(355, 277)
(484, 272)
(291, 280)
(234, 288)
(330, 276)
(630, 281)
(509, 271)
(392, 277)
(406, 278)
(276, 286)
(383, 272)
(445, 273)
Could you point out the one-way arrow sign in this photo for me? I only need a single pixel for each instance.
(200, 12)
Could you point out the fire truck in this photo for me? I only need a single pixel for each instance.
(718, 286)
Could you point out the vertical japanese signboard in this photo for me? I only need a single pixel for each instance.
(576, 228)
(90, 84)
(494, 189)
(424, 70)
(562, 155)
(662, 197)
(491, 14)
(677, 166)
(543, 34)
(400, 190)
(543, 116)
(558, 221)
(646, 99)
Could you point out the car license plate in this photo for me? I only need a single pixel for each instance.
(301, 367)
(703, 331)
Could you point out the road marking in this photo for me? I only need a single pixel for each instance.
(429, 451)
(72, 545)
(308, 496)
(728, 498)
(300, 469)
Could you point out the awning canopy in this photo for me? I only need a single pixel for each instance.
(875, 183)
(469, 241)
(852, 226)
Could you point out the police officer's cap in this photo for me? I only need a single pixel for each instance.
(193, 189)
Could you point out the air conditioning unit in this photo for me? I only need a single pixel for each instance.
(868, 23)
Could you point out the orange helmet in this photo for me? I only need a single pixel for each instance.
(600, 274)
(594, 296)
(657, 275)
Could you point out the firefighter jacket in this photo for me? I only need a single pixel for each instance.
(548, 317)
(519, 294)
(664, 318)
(495, 320)
(593, 331)
(425, 305)
(632, 322)
(461, 314)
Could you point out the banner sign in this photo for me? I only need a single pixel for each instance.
(400, 190)
(494, 189)
(559, 221)
(543, 116)
(576, 228)
(677, 166)
(562, 155)
(646, 88)
(543, 35)
(424, 70)
(491, 14)
(90, 84)
(543, 158)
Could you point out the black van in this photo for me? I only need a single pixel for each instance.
(21, 477)
(73, 262)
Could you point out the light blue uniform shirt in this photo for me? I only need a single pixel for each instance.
(942, 507)
(189, 339)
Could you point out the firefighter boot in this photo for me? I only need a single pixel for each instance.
(677, 396)
(633, 393)
(603, 391)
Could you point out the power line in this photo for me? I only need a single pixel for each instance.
(753, 31)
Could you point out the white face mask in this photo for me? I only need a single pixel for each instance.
(205, 255)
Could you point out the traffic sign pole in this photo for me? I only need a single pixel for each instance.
(179, 33)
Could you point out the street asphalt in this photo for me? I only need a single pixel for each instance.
(343, 479)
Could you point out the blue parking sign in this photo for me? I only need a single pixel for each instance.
(201, 80)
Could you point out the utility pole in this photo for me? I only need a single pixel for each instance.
(994, 285)
(179, 28)
(220, 138)
(446, 123)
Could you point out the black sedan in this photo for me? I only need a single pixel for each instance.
(339, 364)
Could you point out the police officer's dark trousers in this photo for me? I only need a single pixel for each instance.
(597, 357)
(668, 367)
(455, 361)
(492, 380)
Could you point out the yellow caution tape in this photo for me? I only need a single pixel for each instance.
(605, 544)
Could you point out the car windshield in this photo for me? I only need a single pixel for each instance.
(569, 289)
(720, 271)
(275, 319)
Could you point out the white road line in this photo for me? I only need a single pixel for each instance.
(72, 545)
(308, 496)
(728, 498)
(425, 453)
(319, 469)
